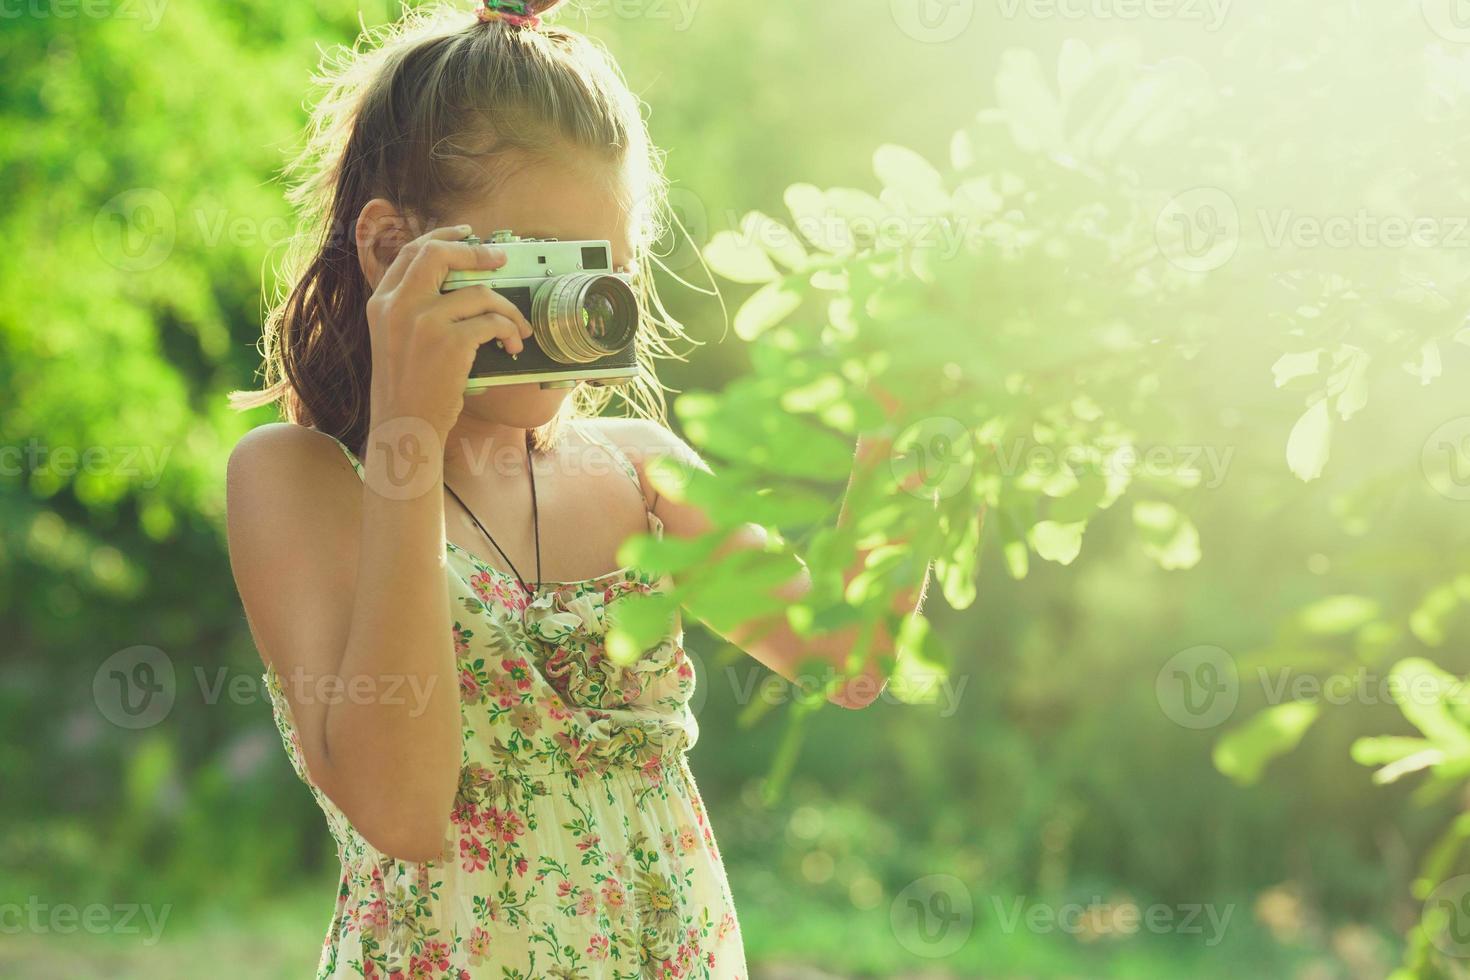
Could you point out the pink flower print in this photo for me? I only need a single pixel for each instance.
(461, 640)
(687, 840)
(598, 947)
(521, 865)
(575, 749)
(554, 708)
(727, 926)
(479, 946)
(519, 670)
(564, 888)
(467, 816)
(586, 903)
(436, 951)
(589, 842)
(502, 689)
(525, 719)
(473, 854)
(375, 919)
(508, 594)
(484, 587)
(613, 895)
(469, 686)
(506, 825)
(420, 968)
(668, 843)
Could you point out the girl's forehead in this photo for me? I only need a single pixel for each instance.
(547, 199)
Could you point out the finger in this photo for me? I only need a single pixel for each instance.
(488, 327)
(459, 304)
(409, 252)
(436, 259)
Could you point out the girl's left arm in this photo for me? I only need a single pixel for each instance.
(771, 640)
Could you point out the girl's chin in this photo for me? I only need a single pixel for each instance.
(527, 406)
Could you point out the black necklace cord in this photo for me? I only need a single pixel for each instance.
(535, 528)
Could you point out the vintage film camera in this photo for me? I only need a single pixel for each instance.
(584, 317)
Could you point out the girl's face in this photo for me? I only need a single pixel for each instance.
(547, 199)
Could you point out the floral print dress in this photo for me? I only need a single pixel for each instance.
(578, 846)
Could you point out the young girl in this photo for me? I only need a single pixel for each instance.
(429, 575)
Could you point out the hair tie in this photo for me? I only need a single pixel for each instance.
(513, 12)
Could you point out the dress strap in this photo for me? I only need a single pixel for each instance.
(351, 457)
(590, 433)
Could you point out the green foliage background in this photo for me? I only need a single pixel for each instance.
(1118, 289)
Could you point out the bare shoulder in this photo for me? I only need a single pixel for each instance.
(284, 474)
(644, 439)
(281, 449)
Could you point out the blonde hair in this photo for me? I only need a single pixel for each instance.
(426, 112)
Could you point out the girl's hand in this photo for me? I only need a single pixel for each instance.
(424, 341)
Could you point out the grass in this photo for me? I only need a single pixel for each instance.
(280, 941)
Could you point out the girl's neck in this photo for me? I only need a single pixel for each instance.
(478, 450)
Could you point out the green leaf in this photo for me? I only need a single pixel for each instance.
(1398, 756)
(1337, 614)
(923, 663)
(1352, 385)
(639, 622)
(1386, 748)
(1427, 622)
(1243, 752)
(1289, 367)
(1060, 543)
(1429, 365)
(908, 178)
(1420, 689)
(1028, 103)
(777, 240)
(1169, 537)
(1310, 443)
(767, 307)
(739, 258)
(957, 570)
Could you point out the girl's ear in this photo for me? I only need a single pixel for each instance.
(381, 231)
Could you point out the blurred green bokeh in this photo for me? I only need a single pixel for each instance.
(140, 147)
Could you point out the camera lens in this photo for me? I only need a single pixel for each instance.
(583, 317)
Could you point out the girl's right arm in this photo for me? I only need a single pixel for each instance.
(343, 580)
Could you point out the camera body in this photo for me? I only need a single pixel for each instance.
(584, 316)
